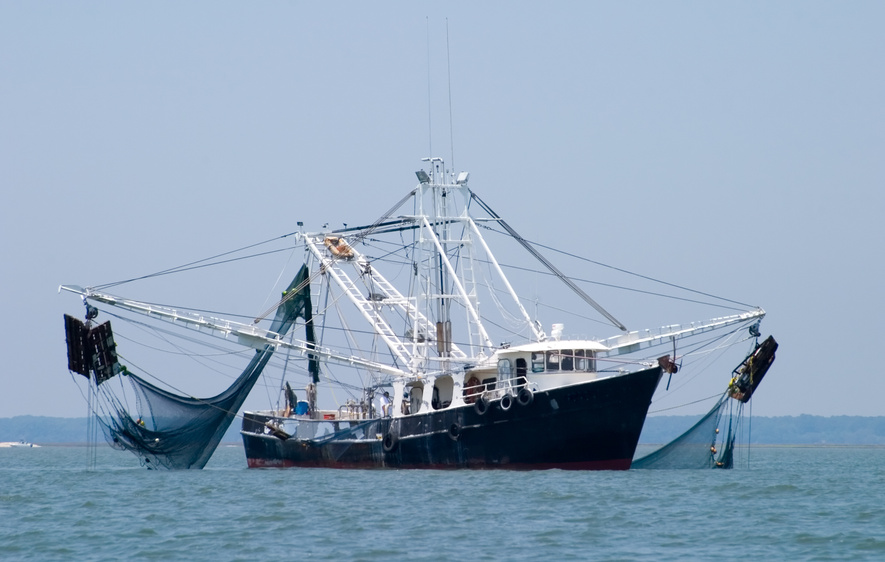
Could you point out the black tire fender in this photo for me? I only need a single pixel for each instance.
(455, 432)
(525, 396)
(390, 442)
(506, 402)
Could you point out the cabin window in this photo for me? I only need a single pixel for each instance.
(553, 358)
(567, 363)
(591, 361)
(505, 369)
(585, 360)
(537, 362)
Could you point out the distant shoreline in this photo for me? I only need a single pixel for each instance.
(804, 430)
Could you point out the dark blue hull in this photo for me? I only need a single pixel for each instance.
(588, 426)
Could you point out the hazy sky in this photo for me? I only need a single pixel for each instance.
(738, 148)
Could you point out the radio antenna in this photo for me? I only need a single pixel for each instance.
(451, 128)
(429, 121)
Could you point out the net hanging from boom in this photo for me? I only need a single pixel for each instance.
(709, 443)
(700, 446)
(175, 431)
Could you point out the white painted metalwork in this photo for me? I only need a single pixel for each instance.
(441, 206)
(634, 341)
(535, 327)
(247, 335)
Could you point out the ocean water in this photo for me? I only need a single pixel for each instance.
(812, 503)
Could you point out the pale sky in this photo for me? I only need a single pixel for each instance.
(737, 148)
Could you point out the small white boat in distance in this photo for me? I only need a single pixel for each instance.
(7, 444)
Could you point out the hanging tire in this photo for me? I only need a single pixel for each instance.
(506, 402)
(525, 396)
(454, 432)
(481, 405)
(390, 442)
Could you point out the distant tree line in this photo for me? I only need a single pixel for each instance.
(41, 430)
(782, 430)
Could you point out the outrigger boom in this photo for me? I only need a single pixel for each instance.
(247, 335)
(250, 335)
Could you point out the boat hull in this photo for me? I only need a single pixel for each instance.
(588, 426)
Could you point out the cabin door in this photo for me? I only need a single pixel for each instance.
(521, 370)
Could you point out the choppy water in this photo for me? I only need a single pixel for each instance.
(791, 503)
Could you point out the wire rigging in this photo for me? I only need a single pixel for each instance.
(627, 272)
(195, 264)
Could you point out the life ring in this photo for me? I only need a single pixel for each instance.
(455, 432)
(471, 390)
(481, 405)
(525, 396)
(391, 440)
(506, 402)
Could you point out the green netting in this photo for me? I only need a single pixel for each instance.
(704, 445)
(710, 442)
(179, 432)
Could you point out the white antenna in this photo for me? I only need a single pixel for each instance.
(429, 122)
(451, 128)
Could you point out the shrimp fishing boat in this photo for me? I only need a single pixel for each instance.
(439, 364)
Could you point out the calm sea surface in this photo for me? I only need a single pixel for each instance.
(817, 503)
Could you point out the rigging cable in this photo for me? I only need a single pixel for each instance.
(686, 404)
(356, 240)
(194, 264)
(628, 272)
(621, 270)
(567, 280)
(631, 289)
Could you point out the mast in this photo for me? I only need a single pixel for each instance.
(447, 247)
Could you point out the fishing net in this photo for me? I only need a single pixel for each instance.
(178, 432)
(704, 445)
(709, 443)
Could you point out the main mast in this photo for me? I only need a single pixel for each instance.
(447, 257)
